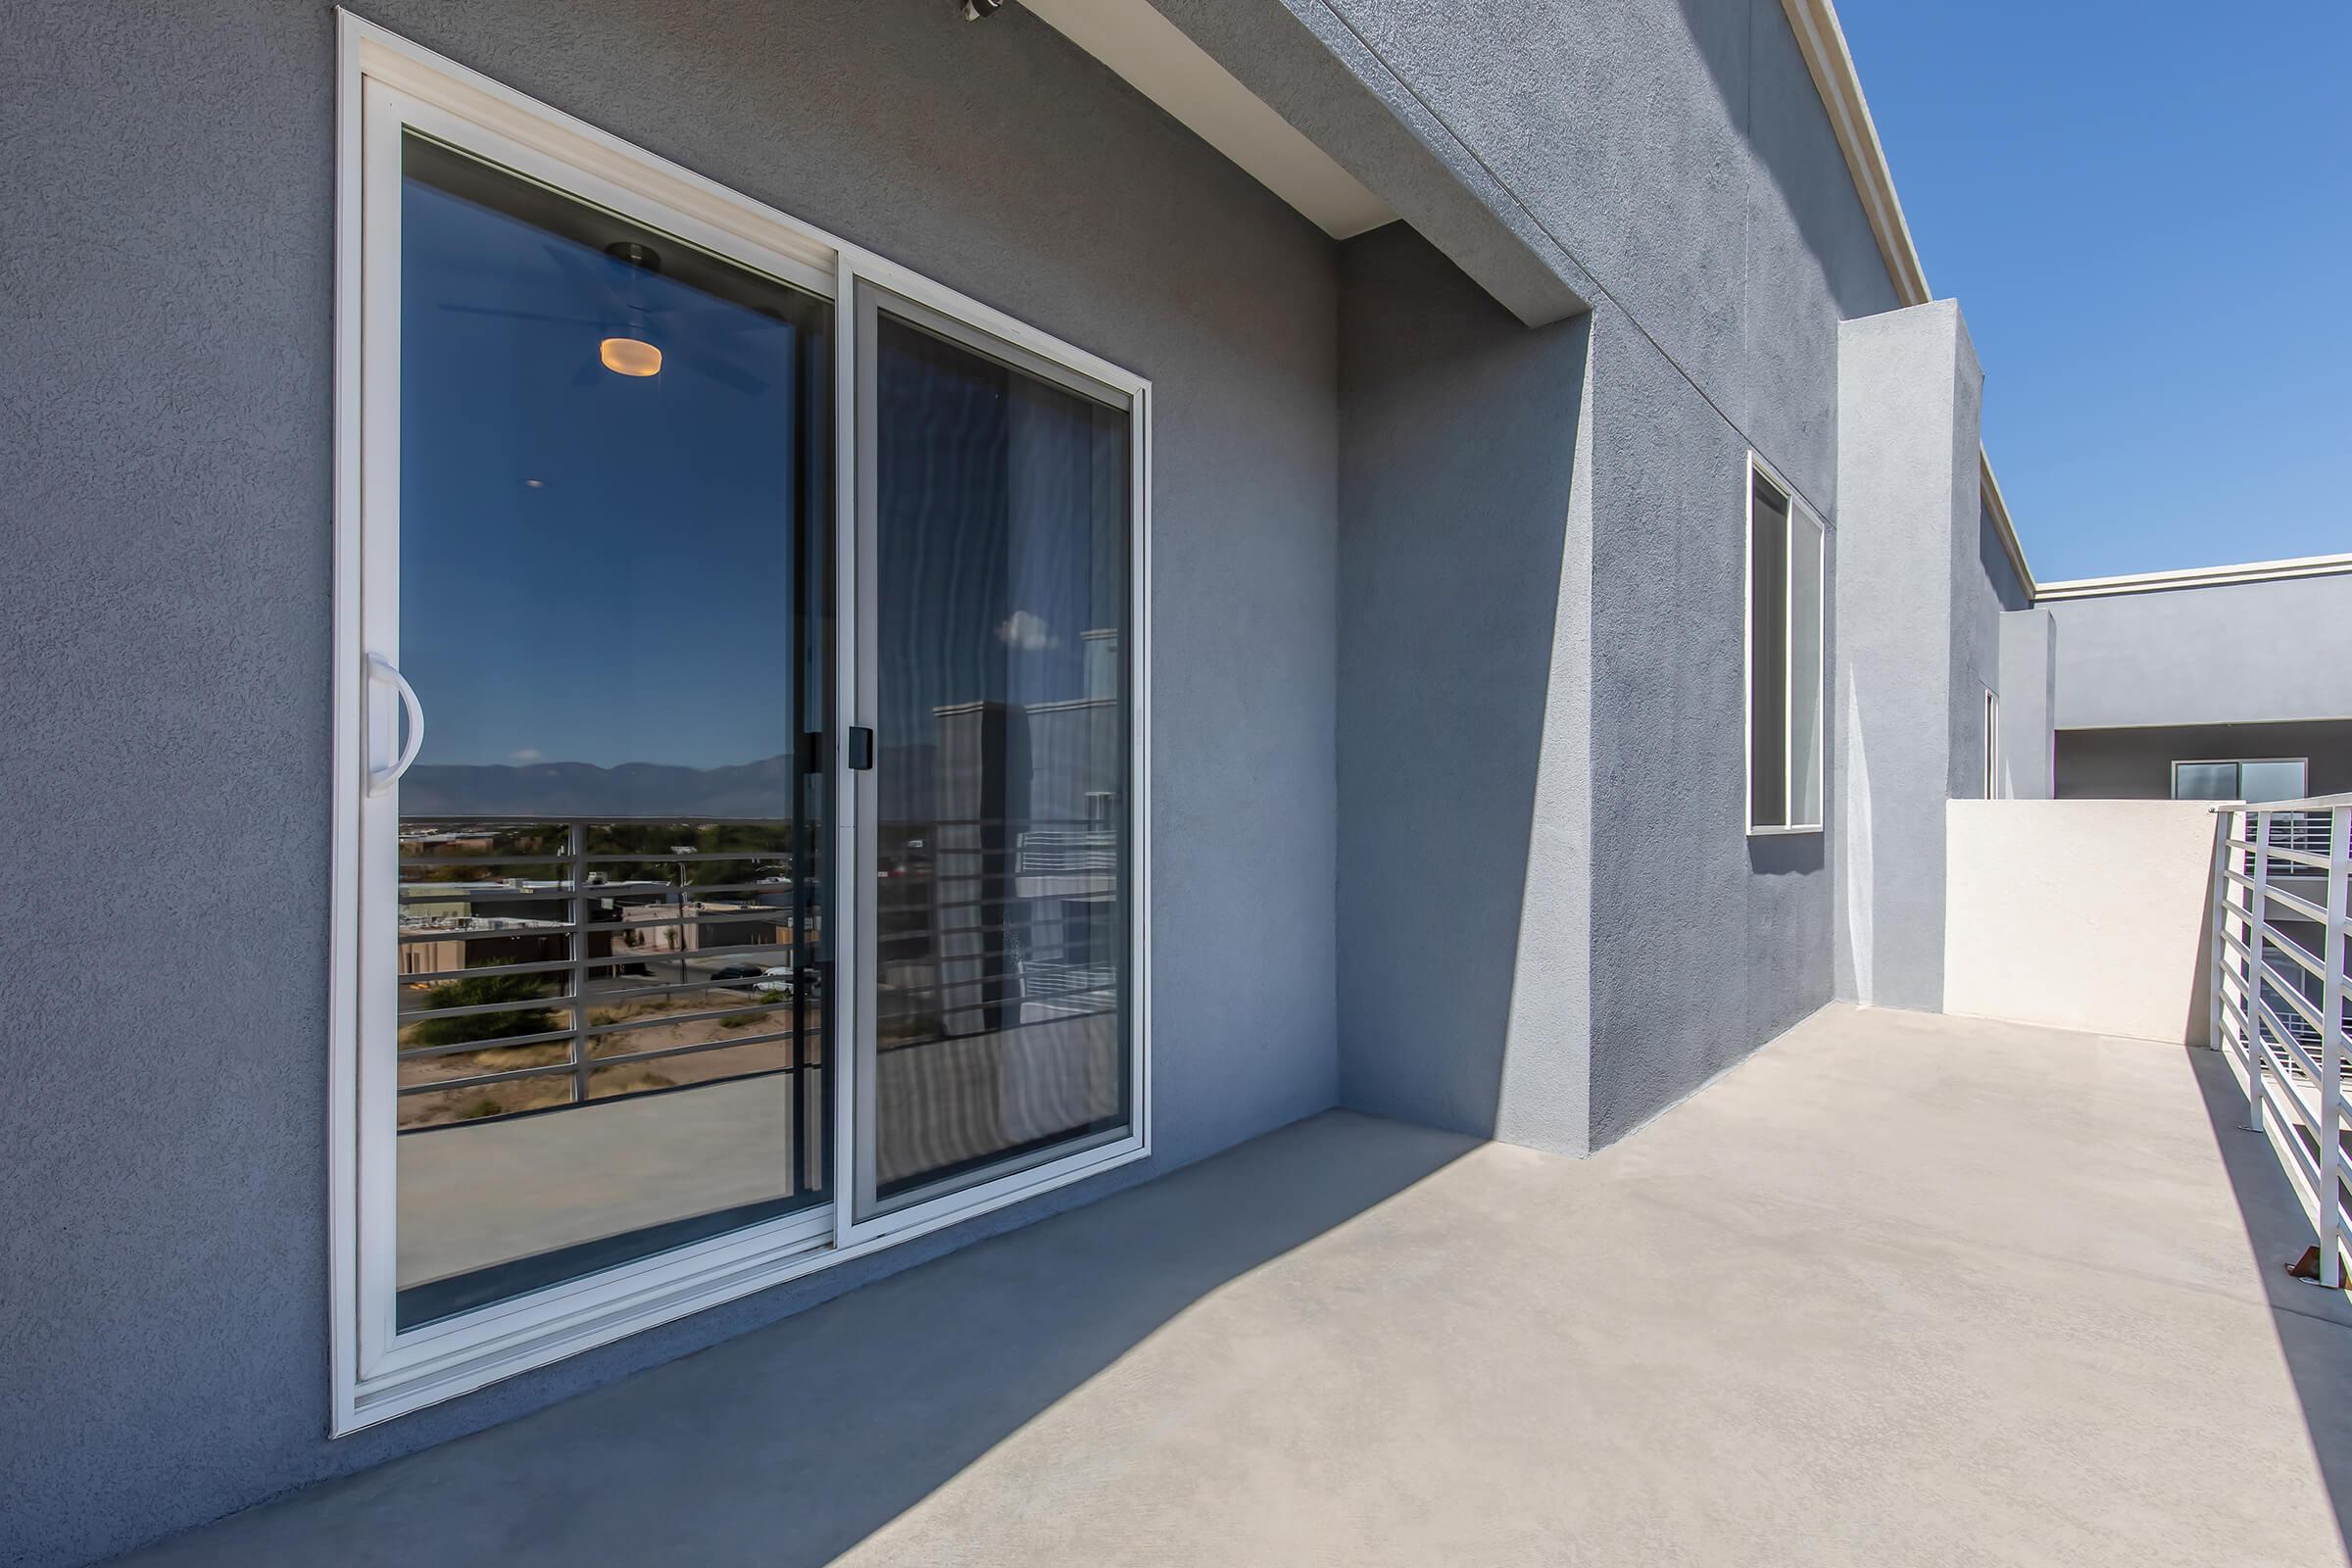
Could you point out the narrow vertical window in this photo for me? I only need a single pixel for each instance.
(1784, 660)
(1992, 745)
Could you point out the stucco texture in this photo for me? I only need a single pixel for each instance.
(1914, 624)
(1464, 628)
(1679, 157)
(166, 439)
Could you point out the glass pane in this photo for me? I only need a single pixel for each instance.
(612, 444)
(2205, 782)
(1001, 545)
(1804, 672)
(2271, 781)
(1767, 656)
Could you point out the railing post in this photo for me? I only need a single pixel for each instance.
(2220, 967)
(2258, 916)
(2332, 1046)
(575, 867)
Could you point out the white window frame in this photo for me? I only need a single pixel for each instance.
(2238, 762)
(1754, 467)
(378, 1372)
(1992, 744)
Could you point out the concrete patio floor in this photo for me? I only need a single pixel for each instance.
(1899, 1290)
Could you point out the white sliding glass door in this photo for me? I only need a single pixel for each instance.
(607, 916)
(739, 746)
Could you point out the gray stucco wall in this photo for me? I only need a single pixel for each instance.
(2243, 653)
(165, 629)
(2136, 764)
(1985, 586)
(1727, 228)
(1908, 475)
(1722, 246)
(1464, 649)
(1707, 942)
(2029, 690)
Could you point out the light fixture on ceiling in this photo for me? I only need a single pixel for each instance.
(975, 10)
(629, 356)
(630, 332)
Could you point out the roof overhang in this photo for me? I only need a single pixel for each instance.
(1161, 63)
(1259, 100)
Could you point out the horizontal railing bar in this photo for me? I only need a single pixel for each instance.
(432, 977)
(557, 928)
(2302, 956)
(1082, 823)
(2305, 1165)
(695, 1047)
(561, 1001)
(626, 1026)
(2289, 1105)
(2295, 999)
(2281, 851)
(2316, 803)
(730, 949)
(690, 857)
(887, 992)
(562, 1069)
(536, 928)
(554, 1036)
(565, 1001)
(565, 1070)
(783, 917)
(470, 819)
(2281, 1035)
(784, 951)
(426, 891)
(2300, 905)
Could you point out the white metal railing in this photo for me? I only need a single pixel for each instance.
(2281, 881)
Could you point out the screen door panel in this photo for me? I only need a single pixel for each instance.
(996, 500)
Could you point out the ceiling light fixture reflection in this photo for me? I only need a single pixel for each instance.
(629, 356)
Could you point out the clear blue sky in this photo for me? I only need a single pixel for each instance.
(2145, 211)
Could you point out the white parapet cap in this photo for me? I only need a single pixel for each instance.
(2157, 582)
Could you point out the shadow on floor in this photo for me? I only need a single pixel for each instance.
(2314, 1326)
(795, 1442)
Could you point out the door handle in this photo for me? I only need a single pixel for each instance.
(382, 668)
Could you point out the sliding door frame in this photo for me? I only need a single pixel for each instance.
(866, 288)
(378, 1372)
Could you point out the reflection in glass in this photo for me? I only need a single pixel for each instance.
(1767, 656)
(606, 886)
(1805, 669)
(1000, 517)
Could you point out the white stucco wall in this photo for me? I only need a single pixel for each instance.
(2079, 914)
